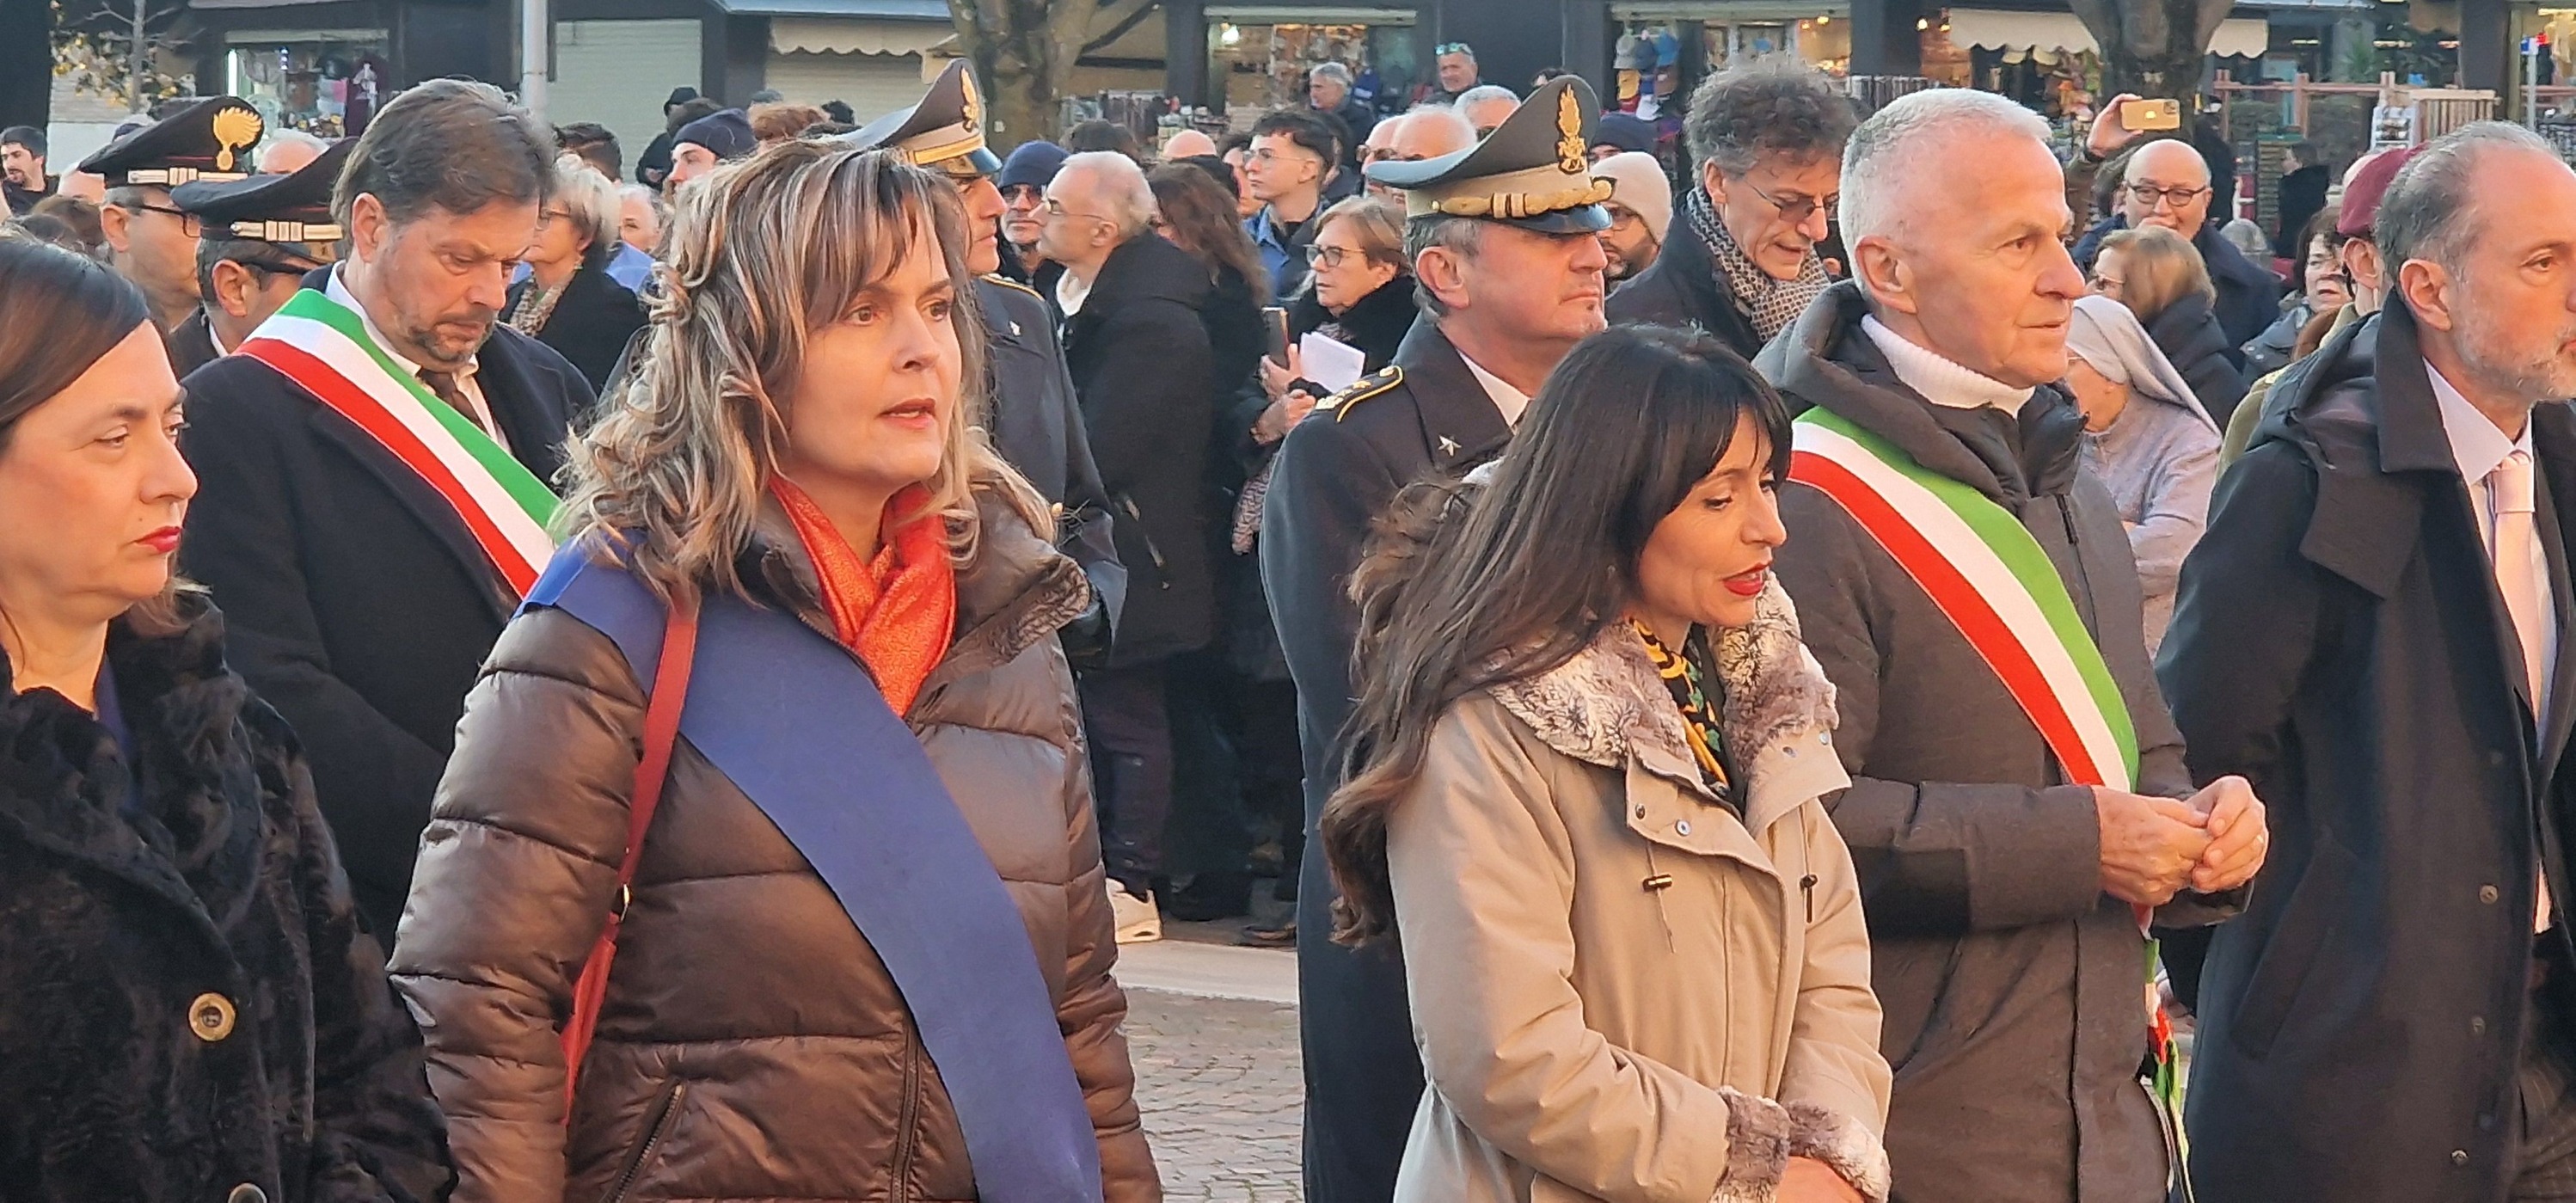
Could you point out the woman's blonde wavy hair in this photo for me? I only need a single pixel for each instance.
(762, 254)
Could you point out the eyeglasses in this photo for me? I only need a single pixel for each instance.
(1055, 208)
(1332, 256)
(1454, 48)
(1023, 194)
(1621, 216)
(187, 220)
(1795, 209)
(2152, 196)
(2108, 286)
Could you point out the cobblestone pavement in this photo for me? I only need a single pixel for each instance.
(1218, 1081)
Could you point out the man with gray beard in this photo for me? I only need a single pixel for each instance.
(2374, 631)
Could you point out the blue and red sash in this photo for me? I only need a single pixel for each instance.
(795, 722)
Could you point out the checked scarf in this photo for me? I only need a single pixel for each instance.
(1770, 304)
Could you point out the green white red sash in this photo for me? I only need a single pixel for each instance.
(1994, 582)
(1985, 572)
(322, 346)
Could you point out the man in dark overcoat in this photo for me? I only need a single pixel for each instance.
(358, 599)
(1506, 298)
(2375, 631)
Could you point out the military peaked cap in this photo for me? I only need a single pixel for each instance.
(1533, 171)
(945, 132)
(208, 140)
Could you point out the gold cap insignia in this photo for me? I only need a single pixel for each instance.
(972, 104)
(236, 130)
(1569, 134)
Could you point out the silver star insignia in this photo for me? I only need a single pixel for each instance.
(1448, 446)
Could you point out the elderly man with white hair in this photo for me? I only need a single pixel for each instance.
(2019, 808)
(1146, 380)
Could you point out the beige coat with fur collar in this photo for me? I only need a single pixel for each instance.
(1591, 1033)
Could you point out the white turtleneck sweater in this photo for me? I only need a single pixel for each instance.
(1941, 381)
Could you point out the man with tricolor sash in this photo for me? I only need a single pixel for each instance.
(373, 465)
(2019, 810)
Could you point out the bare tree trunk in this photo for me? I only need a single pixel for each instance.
(2153, 48)
(135, 50)
(1024, 52)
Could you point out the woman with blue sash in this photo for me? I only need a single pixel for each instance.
(863, 946)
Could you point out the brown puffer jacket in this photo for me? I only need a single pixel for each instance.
(752, 1045)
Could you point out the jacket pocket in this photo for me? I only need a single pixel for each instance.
(658, 1122)
(2308, 924)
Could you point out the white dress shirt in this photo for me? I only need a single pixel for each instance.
(1511, 401)
(2480, 449)
(466, 384)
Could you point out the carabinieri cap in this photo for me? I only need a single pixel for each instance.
(208, 140)
(288, 209)
(945, 132)
(1534, 171)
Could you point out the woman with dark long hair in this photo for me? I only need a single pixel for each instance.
(193, 1011)
(1193, 211)
(857, 940)
(1584, 790)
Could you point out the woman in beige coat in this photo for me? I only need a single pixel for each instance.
(1584, 792)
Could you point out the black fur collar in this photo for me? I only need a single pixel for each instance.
(195, 838)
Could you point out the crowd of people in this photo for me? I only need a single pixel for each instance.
(1814, 673)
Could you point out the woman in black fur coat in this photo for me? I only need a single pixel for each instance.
(190, 1009)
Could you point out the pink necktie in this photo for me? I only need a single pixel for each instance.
(2525, 598)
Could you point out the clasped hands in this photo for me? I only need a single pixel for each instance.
(2155, 848)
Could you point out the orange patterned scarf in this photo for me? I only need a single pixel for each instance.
(896, 613)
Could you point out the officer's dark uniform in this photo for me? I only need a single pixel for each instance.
(1035, 422)
(1426, 414)
(210, 140)
(275, 225)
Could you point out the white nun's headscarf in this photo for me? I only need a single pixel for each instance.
(2106, 335)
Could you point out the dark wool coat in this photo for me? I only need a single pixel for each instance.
(1143, 369)
(1376, 325)
(1037, 426)
(359, 604)
(191, 1008)
(2187, 332)
(1684, 288)
(2012, 983)
(1337, 472)
(592, 322)
(2340, 642)
(192, 344)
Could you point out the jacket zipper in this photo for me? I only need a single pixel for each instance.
(909, 1123)
(667, 1109)
(1162, 578)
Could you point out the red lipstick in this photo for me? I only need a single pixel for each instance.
(162, 541)
(1749, 584)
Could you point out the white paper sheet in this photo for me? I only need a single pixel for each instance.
(1330, 362)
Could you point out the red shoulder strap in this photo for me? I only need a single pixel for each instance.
(661, 733)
